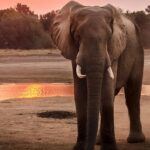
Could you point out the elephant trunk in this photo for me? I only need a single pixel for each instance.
(93, 59)
(94, 84)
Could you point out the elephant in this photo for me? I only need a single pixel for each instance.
(106, 54)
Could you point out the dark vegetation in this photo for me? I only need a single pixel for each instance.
(142, 19)
(21, 28)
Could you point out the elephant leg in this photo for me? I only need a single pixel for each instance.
(80, 91)
(132, 94)
(107, 135)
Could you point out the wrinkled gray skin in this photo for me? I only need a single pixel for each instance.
(97, 38)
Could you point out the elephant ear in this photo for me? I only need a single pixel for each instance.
(61, 30)
(117, 42)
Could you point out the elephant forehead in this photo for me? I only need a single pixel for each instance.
(89, 18)
(92, 27)
(90, 12)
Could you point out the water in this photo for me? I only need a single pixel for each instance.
(12, 91)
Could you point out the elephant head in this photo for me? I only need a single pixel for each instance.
(93, 37)
(73, 19)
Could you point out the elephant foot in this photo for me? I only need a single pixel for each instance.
(136, 137)
(109, 147)
(79, 146)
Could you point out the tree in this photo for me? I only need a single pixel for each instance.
(24, 9)
(143, 21)
(148, 9)
(18, 30)
(47, 19)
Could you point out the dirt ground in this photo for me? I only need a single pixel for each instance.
(22, 129)
(46, 66)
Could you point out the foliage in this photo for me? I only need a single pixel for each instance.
(143, 21)
(24, 9)
(22, 29)
(46, 20)
(148, 9)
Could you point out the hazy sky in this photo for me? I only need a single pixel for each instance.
(43, 6)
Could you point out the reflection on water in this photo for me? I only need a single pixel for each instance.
(11, 91)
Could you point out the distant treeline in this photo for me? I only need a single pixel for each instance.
(21, 28)
(142, 19)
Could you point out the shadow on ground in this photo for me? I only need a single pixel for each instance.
(57, 114)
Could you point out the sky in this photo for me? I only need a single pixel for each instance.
(44, 6)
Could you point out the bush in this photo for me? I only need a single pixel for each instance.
(143, 21)
(23, 31)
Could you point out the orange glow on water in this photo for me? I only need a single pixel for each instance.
(33, 90)
(46, 90)
(14, 91)
(11, 91)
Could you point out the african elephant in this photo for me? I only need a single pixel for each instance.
(106, 54)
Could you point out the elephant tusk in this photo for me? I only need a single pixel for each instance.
(78, 71)
(111, 74)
